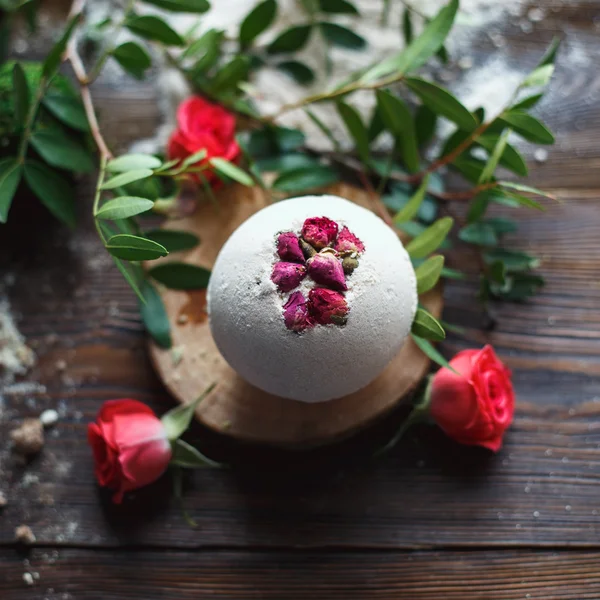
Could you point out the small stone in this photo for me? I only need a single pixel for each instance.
(3, 500)
(536, 14)
(49, 417)
(60, 365)
(28, 578)
(465, 62)
(24, 535)
(28, 439)
(182, 319)
(536, 514)
(540, 155)
(526, 26)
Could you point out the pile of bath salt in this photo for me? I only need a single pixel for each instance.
(16, 358)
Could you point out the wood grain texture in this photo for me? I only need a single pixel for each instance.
(332, 575)
(237, 408)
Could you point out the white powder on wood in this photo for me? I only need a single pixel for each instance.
(15, 356)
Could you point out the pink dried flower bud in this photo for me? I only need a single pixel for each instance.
(327, 307)
(288, 247)
(286, 275)
(326, 269)
(295, 313)
(348, 242)
(319, 231)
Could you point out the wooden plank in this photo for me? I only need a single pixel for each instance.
(120, 575)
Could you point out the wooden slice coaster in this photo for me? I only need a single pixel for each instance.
(235, 407)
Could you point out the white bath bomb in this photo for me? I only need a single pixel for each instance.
(321, 362)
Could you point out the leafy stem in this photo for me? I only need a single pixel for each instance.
(41, 90)
(98, 194)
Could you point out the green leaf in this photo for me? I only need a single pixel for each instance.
(407, 26)
(290, 40)
(376, 124)
(502, 225)
(427, 348)
(133, 58)
(442, 102)
(342, 7)
(224, 167)
(124, 207)
(194, 158)
(421, 49)
(497, 273)
(133, 247)
(178, 419)
(189, 6)
(173, 240)
(425, 124)
(428, 273)
(453, 274)
(490, 166)
(526, 188)
(356, 128)
(54, 191)
(479, 233)
(10, 176)
(528, 127)
(133, 162)
(305, 178)
(399, 121)
(62, 151)
(180, 276)
(411, 208)
(427, 326)
(132, 273)
(342, 36)
(511, 158)
(21, 97)
(151, 27)
(125, 178)
(478, 206)
(539, 77)
(67, 109)
(154, 316)
(527, 102)
(517, 287)
(54, 57)
(323, 127)
(430, 239)
(274, 140)
(507, 198)
(210, 46)
(257, 20)
(298, 71)
(550, 54)
(511, 259)
(188, 457)
(287, 162)
(230, 75)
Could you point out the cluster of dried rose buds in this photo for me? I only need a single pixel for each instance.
(325, 255)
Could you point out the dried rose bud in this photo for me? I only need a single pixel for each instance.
(307, 249)
(286, 275)
(295, 313)
(348, 242)
(326, 269)
(319, 231)
(349, 263)
(327, 306)
(288, 247)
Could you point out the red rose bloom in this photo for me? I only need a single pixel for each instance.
(202, 125)
(477, 406)
(130, 446)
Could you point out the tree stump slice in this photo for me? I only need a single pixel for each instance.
(235, 407)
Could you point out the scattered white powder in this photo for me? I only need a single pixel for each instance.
(15, 356)
(324, 362)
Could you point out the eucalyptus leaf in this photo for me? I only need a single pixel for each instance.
(298, 71)
(427, 348)
(480, 233)
(173, 240)
(154, 28)
(430, 239)
(425, 325)
(442, 102)
(305, 178)
(341, 36)
(337, 7)
(429, 273)
(133, 58)
(67, 109)
(54, 191)
(154, 316)
(180, 276)
(494, 159)
(21, 96)
(291, 40)
(178, 419)
(186, 456)
(257, 20)
(132, 162)
(411, 208)
(10, 176)
(230, 170)
(64, 152)
(124, 207)
(133, 247)
(356, 128)
(189, 6)
(125, 178)
(528, 127)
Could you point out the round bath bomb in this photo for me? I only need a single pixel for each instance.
(311, 298)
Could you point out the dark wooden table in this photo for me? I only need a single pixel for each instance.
(433, 520)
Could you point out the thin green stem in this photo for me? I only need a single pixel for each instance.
(98, 195)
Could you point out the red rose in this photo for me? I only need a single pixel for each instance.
(202, 125)
(477, 406)
(130, 446)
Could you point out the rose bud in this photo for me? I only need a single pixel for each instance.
(288, 247)
(327, 306)
(130, 446)
(319, 232)
(307, 249)
(325, 269)
(295, 313)
(349, 263)
(287, 276)
(348, 242)
(476, 406)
